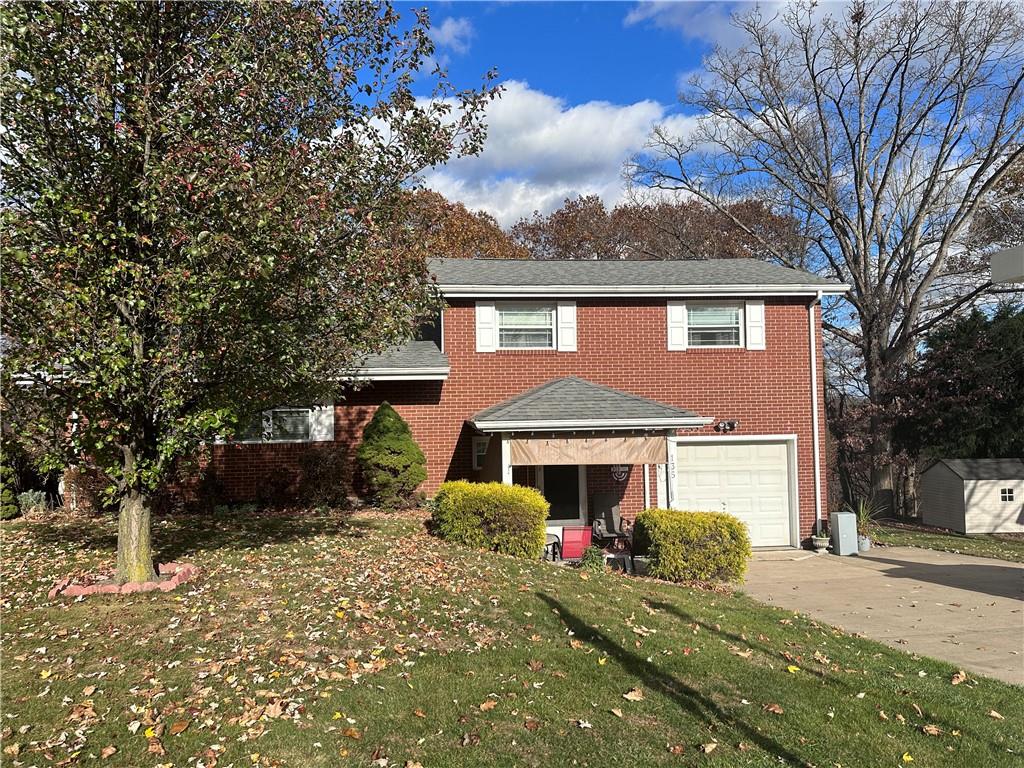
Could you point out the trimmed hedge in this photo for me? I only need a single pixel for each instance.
(392, 465)
(692, 546)
(502, 518)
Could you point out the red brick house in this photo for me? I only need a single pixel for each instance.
(695, 384)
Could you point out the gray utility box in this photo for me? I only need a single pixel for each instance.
(843, 526)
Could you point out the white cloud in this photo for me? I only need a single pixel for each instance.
(454, 33)
(541, 150)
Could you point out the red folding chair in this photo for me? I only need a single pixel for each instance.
(575, 539)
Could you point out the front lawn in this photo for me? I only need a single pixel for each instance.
(1002, 547)
(323, 640)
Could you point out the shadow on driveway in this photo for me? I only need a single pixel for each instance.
(995, 580)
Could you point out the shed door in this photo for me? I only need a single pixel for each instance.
(748, 480)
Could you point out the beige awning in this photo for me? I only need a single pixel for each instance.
(634, 449)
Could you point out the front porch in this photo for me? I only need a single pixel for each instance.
(593, 451)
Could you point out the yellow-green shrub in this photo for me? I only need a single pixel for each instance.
(692, 546)
(502, 518)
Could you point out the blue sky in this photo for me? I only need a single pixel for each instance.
(584, 81)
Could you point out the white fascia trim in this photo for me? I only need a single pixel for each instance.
(402, 374)
(598, 291)
(564, 425)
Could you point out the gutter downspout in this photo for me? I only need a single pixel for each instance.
(814, 408)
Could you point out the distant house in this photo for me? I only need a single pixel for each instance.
(974, 495)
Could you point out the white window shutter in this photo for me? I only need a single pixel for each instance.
(754, 313)
(486, 327)
(567, 326)
(677, 325)
(321, 423)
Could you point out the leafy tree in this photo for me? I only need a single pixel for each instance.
(965, 396)
(583, 228)
(883, 127)
(204, 216)
(392, 465)
(450, 229)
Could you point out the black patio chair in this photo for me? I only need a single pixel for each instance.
(608, 528)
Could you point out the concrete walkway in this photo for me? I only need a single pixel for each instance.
(966, 610)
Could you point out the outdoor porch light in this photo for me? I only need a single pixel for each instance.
(726, 426)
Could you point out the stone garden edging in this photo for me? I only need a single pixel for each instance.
(173, 575)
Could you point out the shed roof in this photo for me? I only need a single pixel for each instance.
(575, 403)
(986, 469)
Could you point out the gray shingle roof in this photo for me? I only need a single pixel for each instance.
(575, 401)
(412, 355)
(987, 469)
(620, 274)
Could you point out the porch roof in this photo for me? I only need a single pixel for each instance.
(572, 403)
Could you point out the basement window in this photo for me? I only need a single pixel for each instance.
(1006, 494)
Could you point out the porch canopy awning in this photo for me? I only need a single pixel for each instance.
(618, 425)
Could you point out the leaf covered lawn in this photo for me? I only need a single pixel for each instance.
(319, 639)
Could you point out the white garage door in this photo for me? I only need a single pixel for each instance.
(748, 480)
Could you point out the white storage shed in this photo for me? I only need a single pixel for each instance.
(974, 495)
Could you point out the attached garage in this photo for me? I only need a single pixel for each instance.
(974, 495)
(752, 479)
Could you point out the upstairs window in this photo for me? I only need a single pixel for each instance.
(1006, 494)
(714, 325)
(526, 326)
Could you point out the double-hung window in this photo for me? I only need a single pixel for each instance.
(714, 325)
(526, 326)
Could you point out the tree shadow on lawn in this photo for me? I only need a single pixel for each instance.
(697, 704)
(180, 535)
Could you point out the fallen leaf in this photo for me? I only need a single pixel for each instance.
(907, 758)
(583, 724)
(959, 677)
(531, 724)
(792, 668)
(488, 705)
(708, 748)
(995, 715)
(352, 733)
(179, 727)
(470, 739)
(155, 747)
(932, 730)
(419, 713)
(676, 749)
(89, 690)
(635, 694)
(617, 712)
(108, 751)
(775, 709)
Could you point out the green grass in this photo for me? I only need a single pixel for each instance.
(1002, 547)
(322, 640)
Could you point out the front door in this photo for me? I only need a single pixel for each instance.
(562, 490)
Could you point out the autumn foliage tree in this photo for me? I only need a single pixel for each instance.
(203, 216)
(584, 228)
(451, 230)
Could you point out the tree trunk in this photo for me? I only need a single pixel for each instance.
(882, 496)
(134, 544)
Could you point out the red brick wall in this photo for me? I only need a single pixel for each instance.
(622, 344)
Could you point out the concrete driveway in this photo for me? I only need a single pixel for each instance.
(968, 611)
